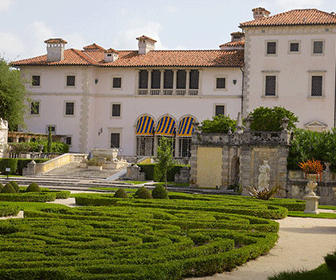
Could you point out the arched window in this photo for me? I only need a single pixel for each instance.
(145, 136)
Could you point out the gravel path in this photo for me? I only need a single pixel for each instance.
(18, 216)
(302, 244)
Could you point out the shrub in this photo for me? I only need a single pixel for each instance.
(270, 119)
(94, 162)
(160, 192)
(264, 194)
(142, 193)
(1, 187)
(120, 193)
(11, 163)
(330, 260)
(15, 186)
(218, 124)
(152, 172)
(33, 187)
(8, 188)
(28, 197)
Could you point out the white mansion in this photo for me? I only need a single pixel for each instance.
(102, 98)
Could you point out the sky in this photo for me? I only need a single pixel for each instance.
(175, 24)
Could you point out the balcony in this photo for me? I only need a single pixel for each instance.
(168, 92)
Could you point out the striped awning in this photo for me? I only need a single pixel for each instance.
(186, 127)
(145, 126)
(166, 127)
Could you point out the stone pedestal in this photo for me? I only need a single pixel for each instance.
(311, 204)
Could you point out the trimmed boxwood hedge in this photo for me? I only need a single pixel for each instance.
(152, 172)
(16, 164)
(8, 210)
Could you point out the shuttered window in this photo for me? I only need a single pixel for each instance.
(116, 82)
(194, 79)
(168, 79)
(156, 75)
(294, 47)
(316, 89)
(270, 87)
(35, 108)
(36, 81)
(143, 79)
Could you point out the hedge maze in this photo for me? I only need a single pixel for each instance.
(186, 236)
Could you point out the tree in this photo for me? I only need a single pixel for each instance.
(12, 95)
(219, 124)
(270, 119)
(165, 156)
(49, 140)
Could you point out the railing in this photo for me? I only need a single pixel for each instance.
(193, 92)
(180, 92)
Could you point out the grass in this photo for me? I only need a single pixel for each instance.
(173, 184)
(320, 273)
(134, 182)
(5, 176)
(318, 216)
(185, 236)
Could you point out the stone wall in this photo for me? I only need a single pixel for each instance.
(3, 137)
(222, 160)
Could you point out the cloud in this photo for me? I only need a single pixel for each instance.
(126, 39)
(10, 46)
(4, 4)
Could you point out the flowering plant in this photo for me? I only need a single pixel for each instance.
(312, 167)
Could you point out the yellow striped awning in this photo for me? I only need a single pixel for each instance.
(186, 127)
(145, 126)
(166, 126)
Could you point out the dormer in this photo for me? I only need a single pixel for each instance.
(145, 44)
(111, 55)
(259, 13)
(55, 49)
(237, 42)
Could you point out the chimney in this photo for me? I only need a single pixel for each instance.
(111, 55)
(259, 13)
(237, 36)
(145, 44)
(55, 49)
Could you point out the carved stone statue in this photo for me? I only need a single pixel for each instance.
(264, 176)
(3, 136)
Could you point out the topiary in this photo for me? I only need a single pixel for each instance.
(8, 188)
(143, 193)
(15, 186)
(33, 187)
(120, 193)
(160, 192)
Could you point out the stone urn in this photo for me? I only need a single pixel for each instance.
(311, 198)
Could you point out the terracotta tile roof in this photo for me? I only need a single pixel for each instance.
(110, 50)
(234, 44)
(294, 17)
(93, 47)
(143, 37)
(55, 41)
(171, 58)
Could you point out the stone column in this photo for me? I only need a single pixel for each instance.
(155, 145)
(174, 81)
(177, 146)
(187, 81)
(193, 164)
(161, 81)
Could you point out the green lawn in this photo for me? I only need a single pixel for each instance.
(184, 236)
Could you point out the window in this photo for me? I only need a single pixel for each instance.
(219, 110)
(36, 81)
(116, 83)
(294, 47)
(316, 86)
(194, 79)
(271, 47)
(156, 78)
(318, 47)
(116, 110)
(70, 81)
(115, 140)
(270, 86)
(181, 79)
(220, 83)
(185, 147)
(52, 129)
(68, 140)
(143, 79)
(35, 108)
(69, 108)
(168, 79)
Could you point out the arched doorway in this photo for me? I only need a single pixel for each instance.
(145, 136)
(184, 133)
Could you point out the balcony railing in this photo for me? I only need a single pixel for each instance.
(180, 92)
